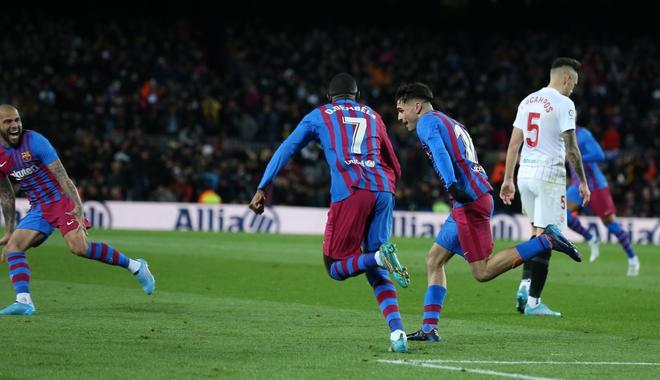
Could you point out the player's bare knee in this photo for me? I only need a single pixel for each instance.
(437, 258)
(14, 247)
(482, 275)
(78, 248)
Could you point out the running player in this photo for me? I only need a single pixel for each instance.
(28, 158)
(467, 231)
(363, 170)
(601, 202)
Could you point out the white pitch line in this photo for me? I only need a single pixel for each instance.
(470, 370)
(534, 362)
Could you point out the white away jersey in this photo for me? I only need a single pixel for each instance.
(543, 116)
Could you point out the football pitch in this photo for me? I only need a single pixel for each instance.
(261, 306)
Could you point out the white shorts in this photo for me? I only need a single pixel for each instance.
(543, 202)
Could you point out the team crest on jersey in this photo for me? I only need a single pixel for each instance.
(26, 156)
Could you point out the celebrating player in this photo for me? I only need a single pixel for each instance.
(29, 159)
(467, 230)
(601, 202)
(363, 169)
(546, 123)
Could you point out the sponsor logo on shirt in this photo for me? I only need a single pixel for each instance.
(367, 163)
(478, 168)
(20, 174)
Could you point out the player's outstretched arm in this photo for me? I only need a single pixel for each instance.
(508, 190)
(574, 157)
(300, 136)
(8, 205)
(69, 189)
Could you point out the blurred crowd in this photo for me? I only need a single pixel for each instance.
(155, 110)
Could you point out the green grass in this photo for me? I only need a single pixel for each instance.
(261, 306)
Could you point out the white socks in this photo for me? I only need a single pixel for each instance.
(533, 302)
(133, 265)
(379, 260)
(24, 298)
(396, 334)
(524, 284)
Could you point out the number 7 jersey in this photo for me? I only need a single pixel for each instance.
(356, 147)
(543, 116)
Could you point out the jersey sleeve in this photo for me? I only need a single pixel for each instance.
(519, 122)
(431, 138)
(589, 147)
(41, 147)
(387, 151)
(300, 136)
(567, 116)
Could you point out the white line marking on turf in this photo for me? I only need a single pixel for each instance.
(419, 363)
(534, 362)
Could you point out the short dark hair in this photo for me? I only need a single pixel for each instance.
(565, 61)
(342, 84)
(415, 90)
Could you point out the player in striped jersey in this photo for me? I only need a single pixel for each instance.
(545, 123)
(601, 202)
(467, 230)
(28, 158)
(363, 170)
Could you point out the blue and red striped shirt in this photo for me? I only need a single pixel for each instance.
(592, 154)
(449, 146)
(28, 166)
(356, 146)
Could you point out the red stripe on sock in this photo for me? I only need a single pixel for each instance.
(385, 295)
(10, 259)
(391, 309)
(344, 268)
(104, 251)
(356, 266)
(19, 265)
(430, 321)
(436, 308)
(115, 257)
(20, 277)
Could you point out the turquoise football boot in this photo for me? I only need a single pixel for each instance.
(18, 308)
(541, 310)
(521, 300)
(391, 263)
(400, 345)
(145, 277)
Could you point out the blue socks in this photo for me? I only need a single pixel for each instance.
(352, 266)
(385, 294)
(575, 225)
(533, 247)
(106, 254)
(19, 271)
(433, 300)
(624, 239)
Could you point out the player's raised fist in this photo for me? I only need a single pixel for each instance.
(258, 201)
